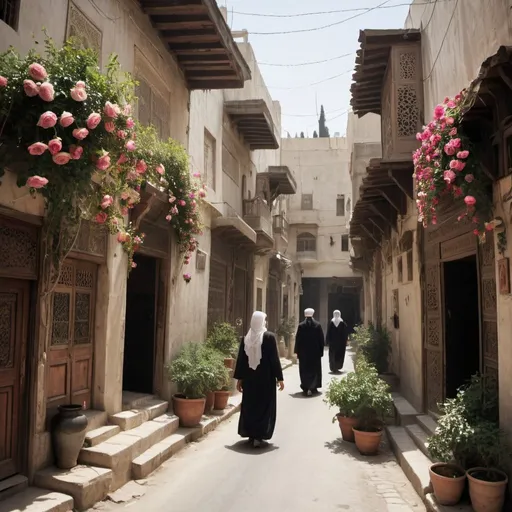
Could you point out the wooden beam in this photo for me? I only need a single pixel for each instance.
(395, 198)
(370, 234)
(184, 25)
(404, 180)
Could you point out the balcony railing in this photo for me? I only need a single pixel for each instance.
(258, 215)
(281, 226)
(306, 255)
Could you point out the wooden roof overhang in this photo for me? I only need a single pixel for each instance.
(281, 180)
(195, 32)
(371, 64)
(254, 121)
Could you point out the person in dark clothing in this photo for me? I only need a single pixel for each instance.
(309, 347)
(337, 335)
(258, 370)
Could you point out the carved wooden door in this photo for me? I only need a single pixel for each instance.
(14, 300)
(70, 360)
(217, 292)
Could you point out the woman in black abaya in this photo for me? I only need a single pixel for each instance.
(337, 335)
(258, 371)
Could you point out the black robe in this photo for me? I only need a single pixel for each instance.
(309, 347)
(259, 402)
(337, 340)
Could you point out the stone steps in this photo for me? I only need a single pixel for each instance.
(119, 451)
(129, 419)
(12, 485)
(419, 436)
(100, 435)
(133, 400)
(427, 423)
(34, 499)
(405, 413)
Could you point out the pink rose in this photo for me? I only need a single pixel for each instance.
(453, 132)
(37, 182)
(66, 119)
(470, 201)
(46, 92)
(469, 178)
(450, 120)
(30, 88)
(47, 120)
(439, 112)
(168, 218)
(130, 123)
(197, 175)
(107, 201)
(463, 154)
(127, 109)
(61, 158)
(181, 202)
(38, 148)
(202, 193)
(101, 218)
(55, 145)
(110, 126)
(78, 93)
(130, 145)
(160, 169)
(125, 195)
(3, 81)
(489, 226)
(111, 110)
(122, 159)
(80, 133)
(80, 84)
(93, 120)
(449, 150)
(103, 162)
(122, 237)
(449, 176)
(141, 167)
(456, 143)
(37, 72)
(76, 151)
(132, 176)
(121, 134)
(124, 211)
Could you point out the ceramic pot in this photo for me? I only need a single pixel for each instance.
(367, 442)
(68, 435)
(229, 362)
(448, 481)
(189, 411)
(486, 496)
(346, 426)
(210, 400)
(221, 400)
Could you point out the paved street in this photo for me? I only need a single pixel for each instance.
(307, 469)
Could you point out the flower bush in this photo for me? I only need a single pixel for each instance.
(446, 164)
(68, 132)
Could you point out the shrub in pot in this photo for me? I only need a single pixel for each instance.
(342, 394)
(373, 345)
(191, 371)
(223, 337)
(218, 377)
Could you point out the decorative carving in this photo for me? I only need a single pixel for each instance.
(408, 111)
(432, 252)
(407, 66)
(434, 332)
(82, 318)
(491, 374)
(386, 120)
(92, 239)
(489, 296)
(83, 30)
(66, 275)
(460, 245)
(7, 318)
(434, 379)
(18, 249)
(84, 278)
(432, 279)
(61, 317)
(490, 334)
(488, 252)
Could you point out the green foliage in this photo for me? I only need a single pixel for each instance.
(344, 395)
(323, 131)
(193, 371)
(468, 430)
(223, 337)
(286, 328)
(220, 374)
(373, 344)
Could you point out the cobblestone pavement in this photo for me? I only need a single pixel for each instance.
(308, 468)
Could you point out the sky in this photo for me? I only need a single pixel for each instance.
(292, 85)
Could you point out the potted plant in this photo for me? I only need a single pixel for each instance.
(222, 393)
(342, 394)
(284, 332)
(374, 404)
(223, 337)
(219, 374)
(192, 373)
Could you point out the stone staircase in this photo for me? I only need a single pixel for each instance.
(408, 439)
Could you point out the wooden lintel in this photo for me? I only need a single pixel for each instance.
(370, 234)
(385, 213)
(403, 179)
(141, 209)
(379, 223)
(395, 198)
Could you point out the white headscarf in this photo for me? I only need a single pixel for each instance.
(309, 312)
(336, 320)
(254, 339)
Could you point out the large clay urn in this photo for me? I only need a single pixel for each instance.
(68, 434)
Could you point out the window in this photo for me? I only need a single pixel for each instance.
(152, 109)
(410, 270)
(230, 165)
(210, 145)
(306, 242)
(399, 269)
(259, 299)
(9, 12)
(81, 28)
(306, 202)
(344, 243)
(340, 205)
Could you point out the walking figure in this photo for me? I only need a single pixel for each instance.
(337, 335)
(258, 370)
(309, 347)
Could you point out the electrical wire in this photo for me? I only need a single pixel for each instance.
(312, 115)
(305, 63)
(312, 84)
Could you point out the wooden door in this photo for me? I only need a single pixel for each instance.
(14, 308)
(217, 292)
(70, 360)
(272, 304)
(240, 296)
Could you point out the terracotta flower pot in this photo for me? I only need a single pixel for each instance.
(210, 400)
(221, 400)
(448, 481)
(346, 426)
(189, 411)
(229, 362)
(367, 442)
(486, 496)
(68, 434)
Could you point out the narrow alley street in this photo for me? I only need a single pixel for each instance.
(307, 468)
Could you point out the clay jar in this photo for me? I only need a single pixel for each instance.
(68, 434)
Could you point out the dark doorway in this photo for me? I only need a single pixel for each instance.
(462, 329)
(310, 297)
(348, 304)
(139, 338)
